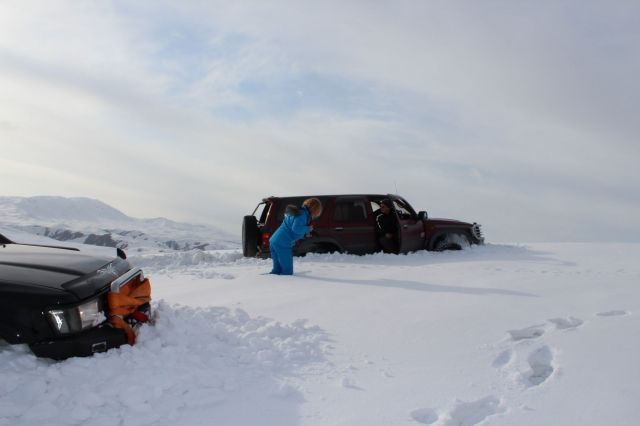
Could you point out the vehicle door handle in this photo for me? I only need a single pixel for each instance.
(339, 228)
(405, 226)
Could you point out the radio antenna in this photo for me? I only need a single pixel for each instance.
(396, 185)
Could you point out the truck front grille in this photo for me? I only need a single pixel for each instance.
(476, 229)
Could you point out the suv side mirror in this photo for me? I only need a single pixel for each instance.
(422, 215)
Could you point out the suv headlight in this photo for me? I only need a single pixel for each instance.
(77, 318)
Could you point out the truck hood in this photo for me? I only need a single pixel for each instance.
(55, 270)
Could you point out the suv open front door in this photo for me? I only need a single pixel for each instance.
(410, 228)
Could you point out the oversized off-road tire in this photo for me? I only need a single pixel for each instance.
(249, 236)
(452, 242)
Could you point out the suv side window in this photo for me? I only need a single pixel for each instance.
(278, 206)
(350, 211)
(284, 202)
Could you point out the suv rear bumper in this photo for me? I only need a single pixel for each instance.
(98, 339)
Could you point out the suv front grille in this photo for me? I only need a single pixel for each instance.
(476, 229)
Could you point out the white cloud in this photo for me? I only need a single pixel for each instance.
(521, 116)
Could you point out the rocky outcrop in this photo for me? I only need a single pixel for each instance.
(104, 240)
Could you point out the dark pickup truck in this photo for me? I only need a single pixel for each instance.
(56, 299)
(348, 225)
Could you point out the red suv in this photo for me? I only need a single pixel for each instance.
(348, 225)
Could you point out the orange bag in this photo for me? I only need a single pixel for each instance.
(132, 295)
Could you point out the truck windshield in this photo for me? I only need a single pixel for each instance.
(403, 208)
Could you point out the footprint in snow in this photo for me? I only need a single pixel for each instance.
(503, 358)
(472, 413)
(462, 413)
(527, 333)
(566, 323)
(613, 313)
(425, 416)
(541, 366)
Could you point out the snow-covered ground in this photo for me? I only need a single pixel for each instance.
(537, 334)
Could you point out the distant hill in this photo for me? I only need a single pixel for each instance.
(89, 221)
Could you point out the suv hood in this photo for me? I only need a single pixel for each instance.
(55, 269)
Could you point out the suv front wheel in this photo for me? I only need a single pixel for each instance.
(452, 242)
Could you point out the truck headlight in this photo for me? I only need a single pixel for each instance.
(90, 314)
(77, 318)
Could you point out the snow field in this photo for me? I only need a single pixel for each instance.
(454, 338)
(494, 335)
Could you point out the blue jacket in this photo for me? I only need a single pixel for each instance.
(292, 229)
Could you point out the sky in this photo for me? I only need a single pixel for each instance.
(521, 116)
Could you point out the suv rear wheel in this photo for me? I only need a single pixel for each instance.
(249, 236)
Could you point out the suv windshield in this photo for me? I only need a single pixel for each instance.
(404, 211)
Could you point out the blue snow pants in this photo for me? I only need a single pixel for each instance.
(282, 258)
(291, 229)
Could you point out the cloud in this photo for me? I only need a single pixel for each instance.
(520, 116)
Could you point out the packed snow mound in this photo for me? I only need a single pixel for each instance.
(192, 262)
(182, 369)
(92, 222)
(218, 263)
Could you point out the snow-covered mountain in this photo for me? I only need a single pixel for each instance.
(89, 221)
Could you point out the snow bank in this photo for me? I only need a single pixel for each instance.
(194, 262)
(217, 264)
(183, 367)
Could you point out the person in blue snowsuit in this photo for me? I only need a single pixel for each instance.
(295, 226)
